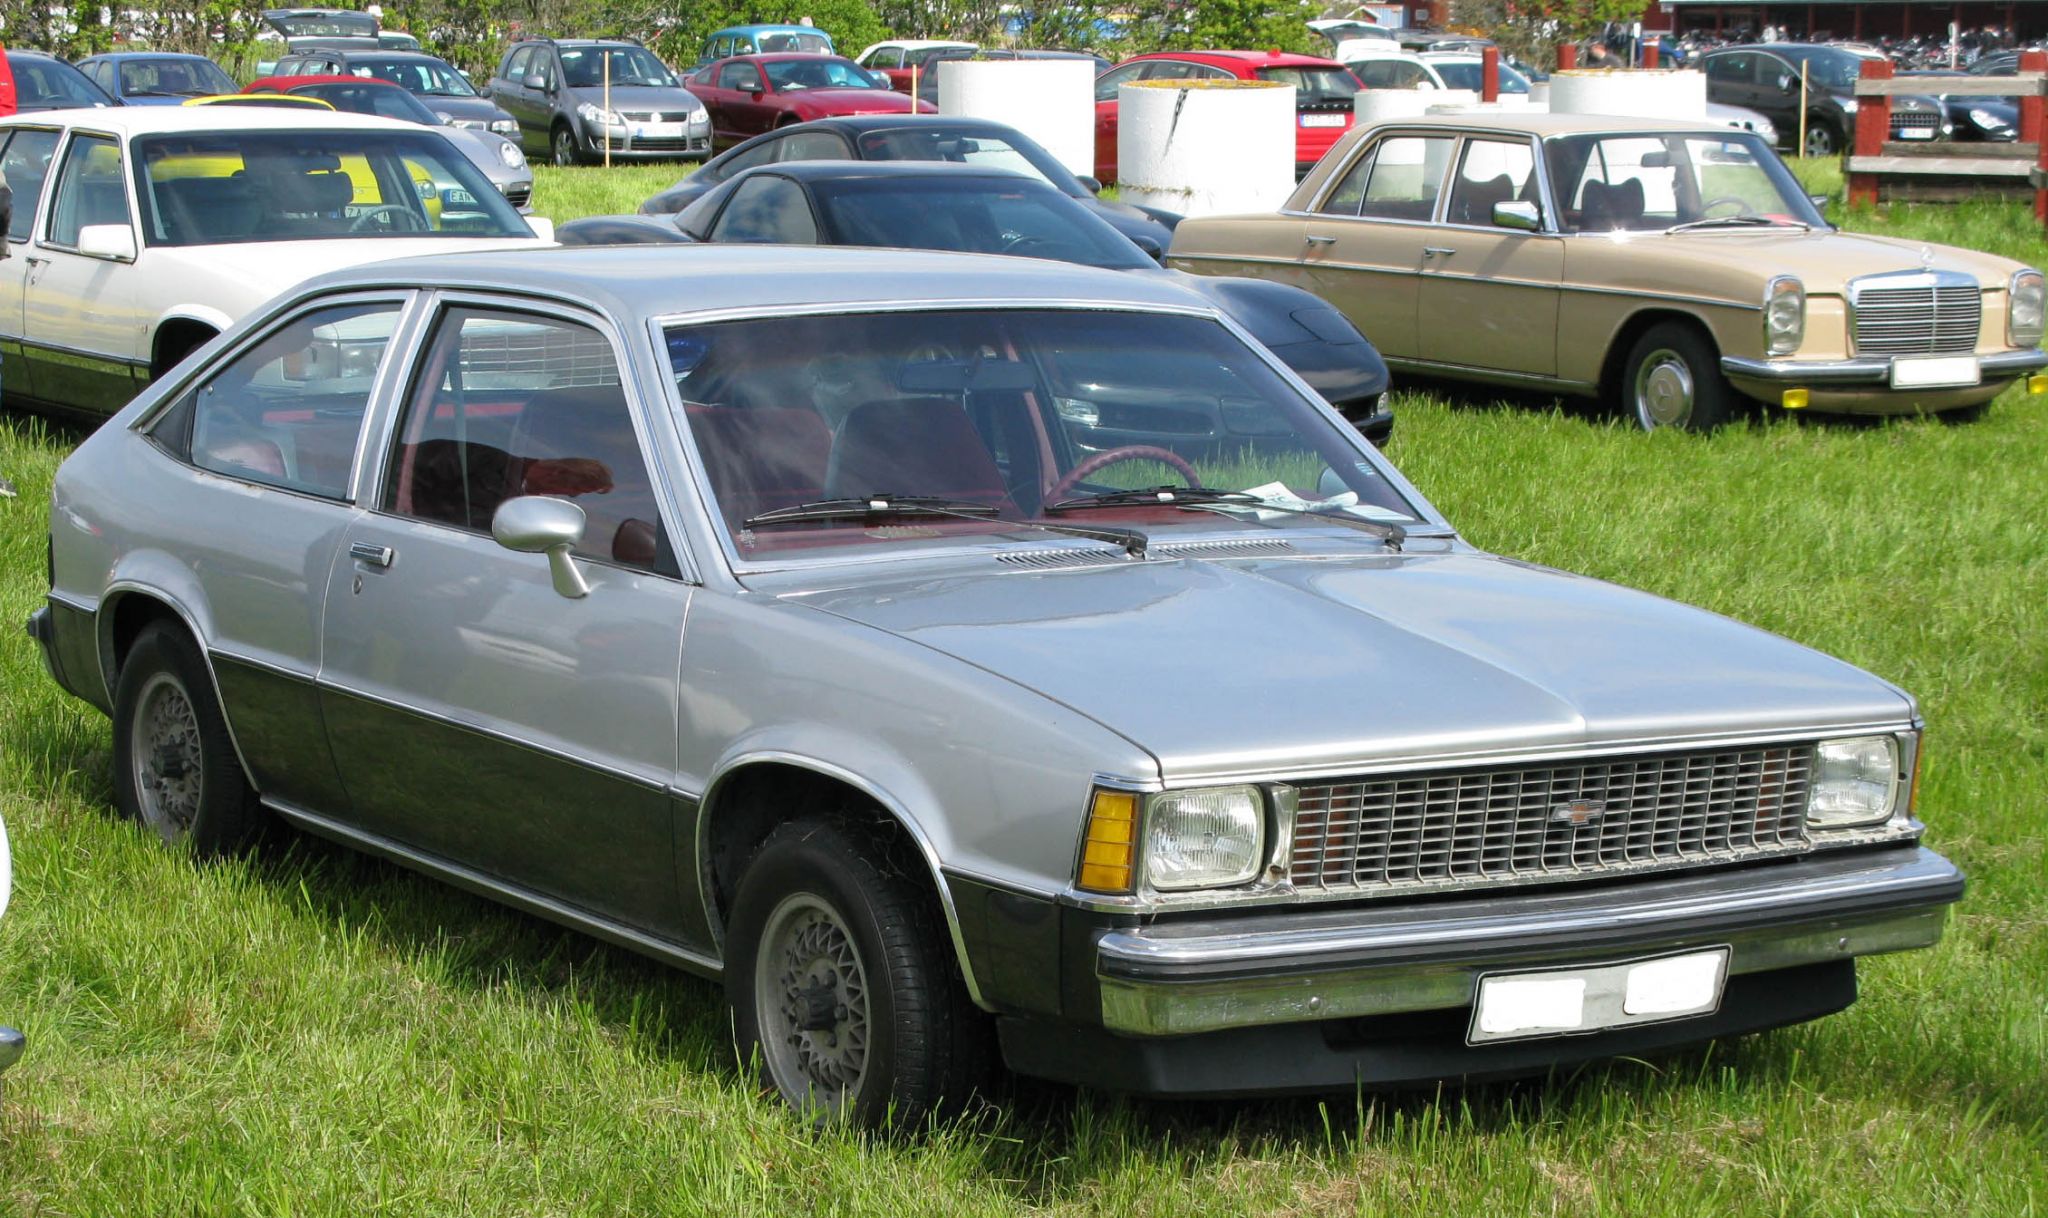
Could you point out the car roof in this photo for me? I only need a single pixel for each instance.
(1258, 59)
(772, 28)
(371, 53)
(809, 171)
(123, 56)
(151, 120)
(897, 120)
(917, 44)
(783, 57)
(1543, 124)
(288, 83)
(636, 281)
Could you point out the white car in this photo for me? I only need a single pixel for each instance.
(141, 232)
(12, 1043)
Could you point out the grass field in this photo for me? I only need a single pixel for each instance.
(313, 1033)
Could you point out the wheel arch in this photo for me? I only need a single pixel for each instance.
(739, 810)
(180, 332)
(1633, 328)
(128, 607)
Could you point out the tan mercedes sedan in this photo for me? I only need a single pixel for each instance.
(1676, 268)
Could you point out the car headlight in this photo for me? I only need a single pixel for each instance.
(1766, 130)
(2026, 304)
(1988, 121)
(595, 113)
(1784, 315)
(508, 152)
(507, 127)
(1855, 782)
(1205, 837)
(700, 117)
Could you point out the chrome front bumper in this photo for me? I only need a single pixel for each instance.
(1869, 370)
(1176, 979)
(12, 1045)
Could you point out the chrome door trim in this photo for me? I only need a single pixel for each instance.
(524, 899)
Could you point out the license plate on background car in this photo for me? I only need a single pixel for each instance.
(1560, 1002)
(654, 130)
(1916, 133)
(1322, 120)
(1942, 372)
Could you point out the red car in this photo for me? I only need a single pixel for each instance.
(1323, 89)
(750, 94)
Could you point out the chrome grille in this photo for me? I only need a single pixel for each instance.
(1488, 826)
(1932, 313)
(1903, 119)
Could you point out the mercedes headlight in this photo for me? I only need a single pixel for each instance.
(1855, 782)
(508, 152)
(2026, 305)
(594, 113)
(1784, 315)
(507, 127)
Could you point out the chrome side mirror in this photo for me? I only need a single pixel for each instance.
(539, 524)
(1518, 215)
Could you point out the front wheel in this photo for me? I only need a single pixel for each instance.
(1673, 379)
(563, 147)
(1822, 139)
(843, 986)
(175, 768)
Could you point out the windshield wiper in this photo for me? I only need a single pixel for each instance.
(1746, 220)
(1203, 498)
(1133, 542)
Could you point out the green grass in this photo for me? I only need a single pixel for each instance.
(310, 1032)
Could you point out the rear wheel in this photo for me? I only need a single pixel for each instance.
(1673, 379)
(843, 986)
(175, 768)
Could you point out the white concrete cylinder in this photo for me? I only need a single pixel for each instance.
(1205, 147)
(1390, 105)
(1050, 100)
(1656, 93)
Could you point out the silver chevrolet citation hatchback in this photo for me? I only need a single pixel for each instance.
(892, 636)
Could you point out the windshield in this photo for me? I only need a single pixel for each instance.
(770, 42)
(1607, 183)
(1313, 85)
(1004, 412)
(585, 67)
(227, 187)
(326, 25)
(789, 75)
(976, 216)
(173, 78)
(49, 84)
(1465, 74)
(427, 77)
(380, 100)
(987, 151)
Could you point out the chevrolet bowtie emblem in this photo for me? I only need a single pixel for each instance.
(1577, 812)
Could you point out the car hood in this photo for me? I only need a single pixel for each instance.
(642, 97)
(471, 109)
(1290, 665)
(1737, 262)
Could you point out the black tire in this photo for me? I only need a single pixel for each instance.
(1672, 378)
(1823, 138)
(894, 1037)
(562, 147)
(175, 768)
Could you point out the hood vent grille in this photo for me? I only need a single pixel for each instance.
(1063, 559)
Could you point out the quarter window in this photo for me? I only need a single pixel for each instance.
(90, 189)
(811, 146)
(515, 67)
(26, 162)
(1494, 171)
(288, 412)
(512, 404)
(768, 210)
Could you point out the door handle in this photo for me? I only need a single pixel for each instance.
(1312, 239)
(372, 553)
(1437, 251)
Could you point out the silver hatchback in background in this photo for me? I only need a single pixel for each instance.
(783, 614)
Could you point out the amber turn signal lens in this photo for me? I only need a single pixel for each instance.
(1796, 399)
(1110, 845)
(2037, 383)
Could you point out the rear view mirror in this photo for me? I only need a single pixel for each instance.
(1519, 215)
(537, 524)
(1091, 184)
(1788, 83)
(113, 242)
(536, 82)
(1153, 250)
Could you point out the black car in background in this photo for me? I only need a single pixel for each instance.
(1765, 78)
(45, 82)
(1989, 119)
(902, 137)
(990, 210)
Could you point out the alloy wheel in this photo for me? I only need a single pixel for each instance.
(811, 996)
(168, 757)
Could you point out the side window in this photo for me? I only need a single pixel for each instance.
(26, 162)
(811, 146)
(1344, 200)
(288, 412)
(1737, 68)
(1770, 70)
(512, 404)
(90, 189)
(1407, 173)
(1494, 171)
(515, 65)
(767, 209)
(740, 76)
(542, 65)
(760, 154)
(1106, 84)
(887, 57)
(102, 74)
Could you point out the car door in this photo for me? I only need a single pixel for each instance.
(743, 103)
(1488, 294)
(84, 324)
(25, 160)
(1364, 250)
(478, 715)
(272, 434)
(509, 92)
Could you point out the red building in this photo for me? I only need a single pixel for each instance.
(1854, 19)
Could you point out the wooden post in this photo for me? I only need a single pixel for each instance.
(1650, 52)
(1489, 74)
(1873, 124)
(2034, 123)
(1567, 56)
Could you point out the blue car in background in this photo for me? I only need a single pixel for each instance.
(156, 78)
(765, 39)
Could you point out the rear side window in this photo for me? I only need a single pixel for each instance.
(288, 412)
(770, 210)
(1399, 181)
(26, 162)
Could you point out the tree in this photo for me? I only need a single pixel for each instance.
(1531, 29)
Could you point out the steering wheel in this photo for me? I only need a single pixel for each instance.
(411, 220)
(1740, 205)
(1116, 456)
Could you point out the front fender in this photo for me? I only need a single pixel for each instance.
(1322, 345)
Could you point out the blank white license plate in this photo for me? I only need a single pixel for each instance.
(1560, 1002)
(1916, 133)
(1322, 120)
(1936, 373)
(660, 130)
